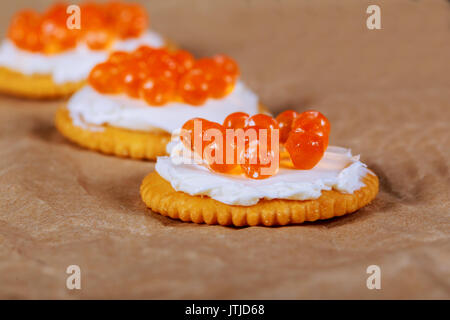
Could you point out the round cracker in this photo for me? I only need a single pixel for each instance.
(160, 197)
(116, 141)
(36, 86)
(113, 140)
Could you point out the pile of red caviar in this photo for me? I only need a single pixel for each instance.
(100, 25)
(158, 76)
(303, 135)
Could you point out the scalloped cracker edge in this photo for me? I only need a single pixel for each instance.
(160, 197)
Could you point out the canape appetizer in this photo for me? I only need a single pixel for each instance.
(134, 100)
(43, 58)
(257, 170)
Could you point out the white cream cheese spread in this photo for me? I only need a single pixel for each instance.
(88, 107)
(338, 170)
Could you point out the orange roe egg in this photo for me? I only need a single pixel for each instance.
(311, 120)
(218, 87)
(142, 52)
(305, 149)
(24, 30)
(321, 132)
(259, 160)
(219, 155)
(105, 78)
(185, 61)
(100, 24)
(118, 57)
(93, 16)
(165, 69)
(98, 39)
(56, 38)
(228, 66)
(154, 54)
(130, 20)
(223, 164)
(285, 120)
(188, 135)
(55, 35)
(162, 57)
(157, 91)
(133, 75)
(208, 67)
(160, 63)
(195, 134)
(236, 120)
(263, 121)
(94, 26)
(194, 81)
(217, 79)
(32, 41)
(193, 87)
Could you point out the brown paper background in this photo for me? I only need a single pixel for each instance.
(386, 93)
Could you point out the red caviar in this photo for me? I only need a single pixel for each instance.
(308, 139)
(263, 121)
(228, 66)
(305, 149)
(48, 33)
(157, 91)
(132, 77)
(24, 30)
(118, 57)
(128, 20)
(105, 77)
(187, 132)
(285, 120)
(236, 120)
(193, 87)
(313, 121)
(259, 160)
(305, 141)
(185, 61)
(160, 76)
(219, 155)
(195, 134)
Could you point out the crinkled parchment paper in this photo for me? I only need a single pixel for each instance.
(387, 95)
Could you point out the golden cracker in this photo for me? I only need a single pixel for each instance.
(160, 197)
(113, 140)
(36, 86)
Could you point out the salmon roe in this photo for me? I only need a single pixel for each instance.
(236, 120)
(159, 76)
(314, 122)
(257, 156)
(285, 120)
(259, 159)
(101, 24)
